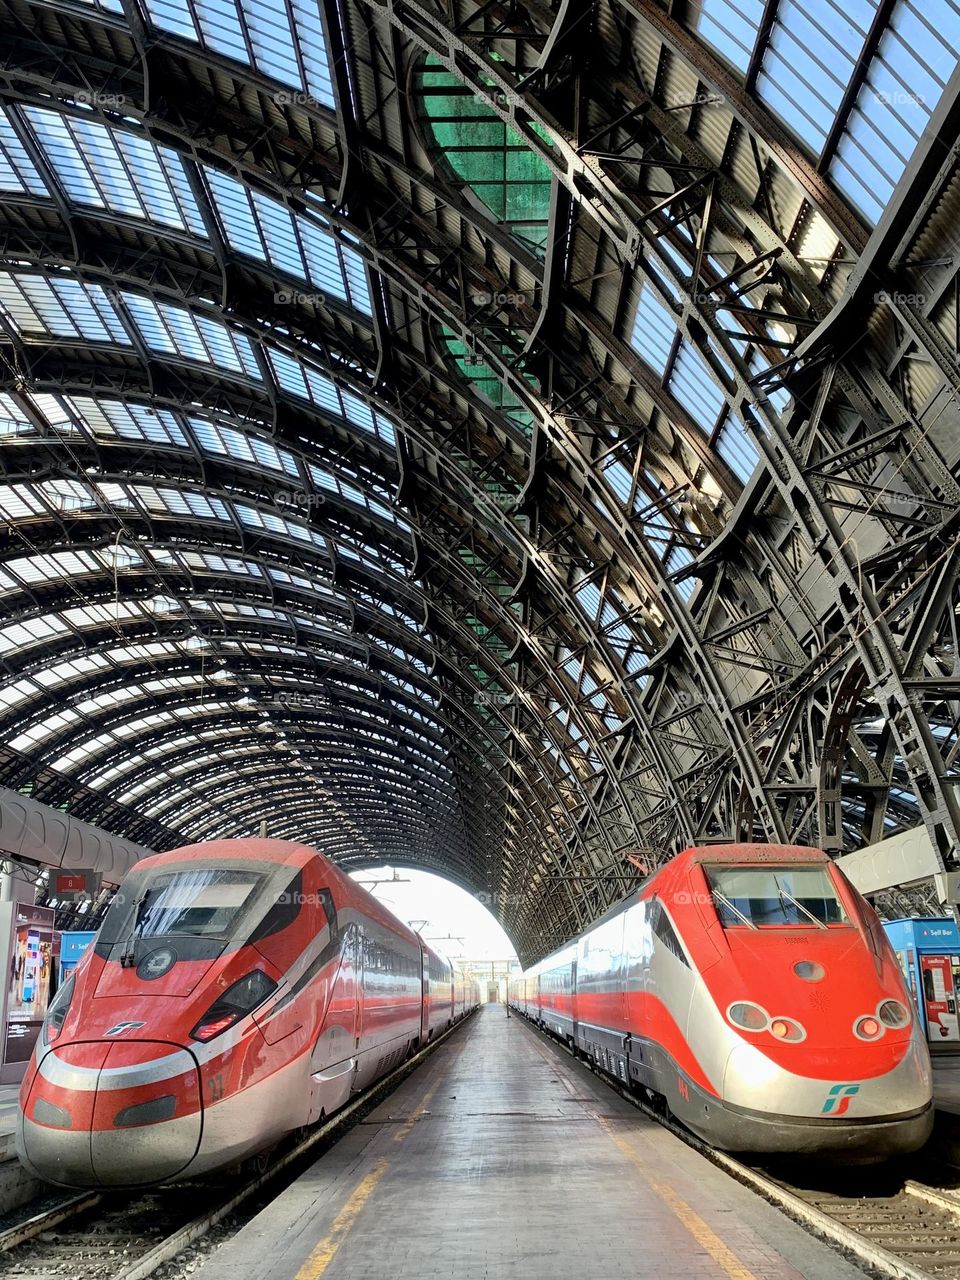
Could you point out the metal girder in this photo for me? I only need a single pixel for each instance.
(792, 635)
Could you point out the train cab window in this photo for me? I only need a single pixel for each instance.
(202, 902)
(283, 911)
(664, 931)
(774, 896)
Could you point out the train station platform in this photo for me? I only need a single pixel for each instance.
(946, 1083)
(8, 1119)
(503, 1157)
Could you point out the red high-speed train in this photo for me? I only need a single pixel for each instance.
(753, 988)
(237, 990)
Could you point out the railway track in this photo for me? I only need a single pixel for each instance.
(111, 1235)
(901, 1221)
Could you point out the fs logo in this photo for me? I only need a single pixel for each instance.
(839, 1098)
(121, 1027)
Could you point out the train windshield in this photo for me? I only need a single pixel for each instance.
(778, 896)
(199, 902)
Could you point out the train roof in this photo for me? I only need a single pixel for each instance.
(751, 853)
(738, 854)
(283, 852)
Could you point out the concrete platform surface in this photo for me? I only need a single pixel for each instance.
(8, 1117)
(502, 1157)
(946, 1083)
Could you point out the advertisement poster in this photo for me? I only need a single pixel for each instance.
(28, 979)
(940, 999)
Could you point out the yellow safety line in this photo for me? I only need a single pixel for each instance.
(324, 1253)
(723, 1256)
(703, 1234)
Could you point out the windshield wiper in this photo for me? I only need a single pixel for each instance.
(785, 897)
(128, 956)
(725, 902)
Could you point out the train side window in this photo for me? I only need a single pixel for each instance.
(664, 931)
(284, 911)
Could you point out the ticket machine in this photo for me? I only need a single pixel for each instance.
(929, 953)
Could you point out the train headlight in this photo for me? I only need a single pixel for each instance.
(894, 1014)
(247, 994)
(809, 970)
(867, 1028)
(748, 1017)
(57, 1013)
(787, 1029)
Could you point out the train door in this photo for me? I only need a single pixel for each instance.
(359, 988)
(424, 996)
(940, 999)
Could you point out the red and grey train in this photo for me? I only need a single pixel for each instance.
(752, 988)
(237, 990)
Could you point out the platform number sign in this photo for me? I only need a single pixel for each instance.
(838, 1099)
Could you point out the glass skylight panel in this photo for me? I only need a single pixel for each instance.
(176, 331)
(65, 308)
(264, 229)
(98, 615)
(904, 83)
(679, 558)
(589, 596)
(13, 421)
(619, 479)
(814, 47)
(19, 502)
(116, 170)
(12, 695)
(44, 729)
(17, 172)
(694, 388)
(737, 449)
(23, 635)
(654, 330)
(309, 384)
(129, 421)
(257, 32)
(222, 29)
(729, 27)
(283, 246)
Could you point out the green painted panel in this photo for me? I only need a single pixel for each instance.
(482, 151)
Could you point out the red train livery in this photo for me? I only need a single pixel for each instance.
(754, 989)
(237, 991)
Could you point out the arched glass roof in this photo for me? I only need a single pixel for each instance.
(513, 442)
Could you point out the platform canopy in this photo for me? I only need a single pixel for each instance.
(511, 439)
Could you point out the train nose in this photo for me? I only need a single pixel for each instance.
(122, 1114)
